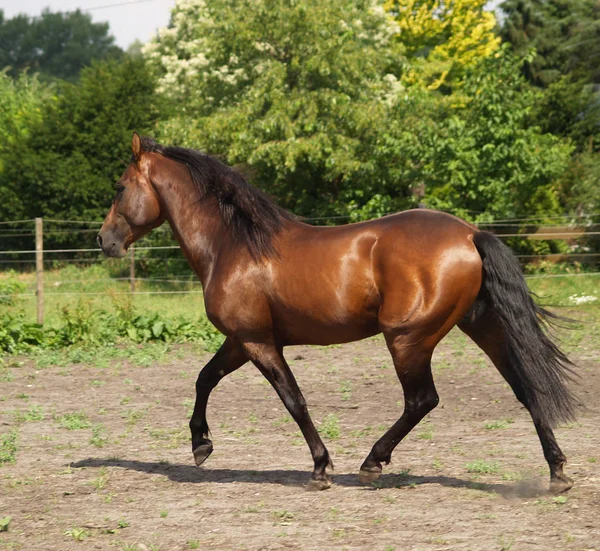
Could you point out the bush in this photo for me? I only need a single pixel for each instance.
(86, 327)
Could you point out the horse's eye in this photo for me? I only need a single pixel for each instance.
(120, 189)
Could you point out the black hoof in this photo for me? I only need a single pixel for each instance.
(202, 452)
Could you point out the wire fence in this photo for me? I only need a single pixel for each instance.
(555, 228)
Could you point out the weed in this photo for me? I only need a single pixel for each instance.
(346, 390)
(78, 534)
(330, 427)
(494, 425)
(189, 404)
(34, 413)
(481, 466)
(97, 439)
(427, 434)
(8, 447)
(100, 482)
(560, 500)
(194, 544)
(122, 523)
(74, 421)
(164, 514)
(4, 523)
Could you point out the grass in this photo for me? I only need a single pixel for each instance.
(74, 421)
(330, 427)
(494, 425)
(480, 466)
(84, 279)
(8, 447)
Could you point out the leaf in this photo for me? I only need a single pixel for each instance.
(4, 522)
(157, 328)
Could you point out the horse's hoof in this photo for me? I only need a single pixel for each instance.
(202, 452)
(560, 485)
(316, 485)
(368, 476)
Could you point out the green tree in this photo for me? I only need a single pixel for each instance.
(485, 158)
(67, 164)
(296, 89)
(564, 33)
(56, 45)
(22, 104)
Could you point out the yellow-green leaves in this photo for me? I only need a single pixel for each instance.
(443, 39)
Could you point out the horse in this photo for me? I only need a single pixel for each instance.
(270, 280)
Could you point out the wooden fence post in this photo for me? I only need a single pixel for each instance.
(39, 269)
(132, 269)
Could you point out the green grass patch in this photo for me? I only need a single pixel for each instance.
(74, 421)
(8, 447)
(330, 427)
(480, 466)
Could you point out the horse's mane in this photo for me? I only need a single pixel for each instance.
(253, 218)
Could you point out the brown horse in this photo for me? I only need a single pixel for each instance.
(270, 281)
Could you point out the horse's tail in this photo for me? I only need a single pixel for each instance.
(538, 369)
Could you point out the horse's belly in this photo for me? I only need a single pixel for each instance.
(305, 329)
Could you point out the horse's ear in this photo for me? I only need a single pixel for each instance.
(136, 146)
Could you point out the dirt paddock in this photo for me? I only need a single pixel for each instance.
(102, 458)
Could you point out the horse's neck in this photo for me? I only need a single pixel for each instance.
(196, 222)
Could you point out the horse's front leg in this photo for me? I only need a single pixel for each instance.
(271, 363)
(228, 358)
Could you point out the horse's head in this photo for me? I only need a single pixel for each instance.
(136, 208)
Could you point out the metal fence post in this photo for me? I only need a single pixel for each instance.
(39, 269)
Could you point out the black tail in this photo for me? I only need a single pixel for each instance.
(540, 371)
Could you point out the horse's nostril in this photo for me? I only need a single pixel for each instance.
(99, 240)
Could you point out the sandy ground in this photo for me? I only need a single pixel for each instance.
(471, 476)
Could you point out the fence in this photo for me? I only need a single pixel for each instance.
(559, 228)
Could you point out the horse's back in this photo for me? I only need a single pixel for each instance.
(356, 280)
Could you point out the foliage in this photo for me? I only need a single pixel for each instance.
(87, 327)
(67, 165)
(485, 159)
(10, 286)
(8, 450)
(298, 90)
(16, 334)
(56, 45)
(22, 104)
(443, 39)
(564, 33)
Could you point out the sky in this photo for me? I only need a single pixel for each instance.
(128, 19)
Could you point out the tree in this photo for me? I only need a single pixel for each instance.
(22, 103)
(485, 158)
(442, 39)
(56, 45)
(296, 89)
(67, 164)
(564, 33)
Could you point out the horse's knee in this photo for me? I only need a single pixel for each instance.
(422, 402)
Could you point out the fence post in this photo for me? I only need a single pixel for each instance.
(132, 268)
(39, 269)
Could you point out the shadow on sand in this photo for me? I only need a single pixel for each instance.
(192, 474)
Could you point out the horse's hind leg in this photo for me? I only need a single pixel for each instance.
(485, 329)
(413, 367)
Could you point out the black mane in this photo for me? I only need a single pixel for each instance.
(253, 218)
